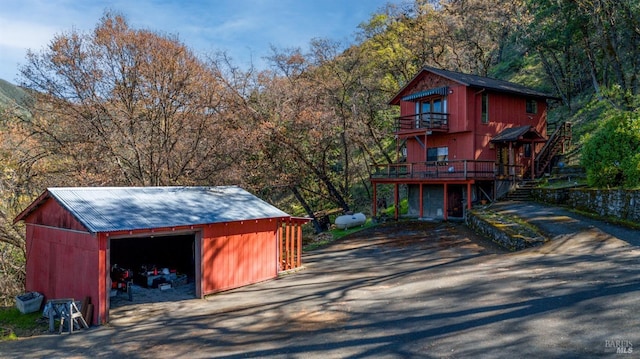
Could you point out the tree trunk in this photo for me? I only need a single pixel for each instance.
(307, 208)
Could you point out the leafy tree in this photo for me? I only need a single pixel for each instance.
(300, 135)
(611, 154)
(321, 120)
(476, 31)
(585, 45)
(383, 37)
(127, 106)
(18, 183)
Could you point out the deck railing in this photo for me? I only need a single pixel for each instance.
(427, 120)
(453, 170)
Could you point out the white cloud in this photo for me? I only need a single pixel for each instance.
(243, 28)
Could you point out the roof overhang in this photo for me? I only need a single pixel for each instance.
(32, 207)
(518, 134)
(469, 80)
(113, 209)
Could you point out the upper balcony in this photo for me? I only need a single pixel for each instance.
(427, 121)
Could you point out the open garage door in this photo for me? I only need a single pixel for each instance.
(153, 268)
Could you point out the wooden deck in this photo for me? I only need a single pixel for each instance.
(434, 121)
(438, 171)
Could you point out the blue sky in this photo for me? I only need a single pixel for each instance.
(244, 28)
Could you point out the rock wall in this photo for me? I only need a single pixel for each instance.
(502, 231)
(622, 204)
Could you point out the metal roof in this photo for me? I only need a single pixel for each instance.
(106, 209)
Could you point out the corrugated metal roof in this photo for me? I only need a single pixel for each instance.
(106, 209)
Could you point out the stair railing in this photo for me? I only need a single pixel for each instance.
(552, 147)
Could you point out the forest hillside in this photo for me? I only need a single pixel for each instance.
(122, 106)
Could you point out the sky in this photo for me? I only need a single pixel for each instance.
(245, 29)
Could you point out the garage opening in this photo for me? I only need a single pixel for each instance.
(152, 269)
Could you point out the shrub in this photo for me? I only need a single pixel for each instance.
(611, 154)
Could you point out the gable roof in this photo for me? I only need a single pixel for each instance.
(106, 209)
(474, 81)
(514, 134)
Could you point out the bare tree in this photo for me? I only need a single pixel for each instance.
(131, 106)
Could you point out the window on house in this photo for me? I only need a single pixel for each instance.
(437, 154)
(425, 113)
(485, 108)
(430, 112)
(437, 105)
(532, 106)
(527, 150)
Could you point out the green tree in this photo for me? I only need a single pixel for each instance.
(585, 45)
(611, 154)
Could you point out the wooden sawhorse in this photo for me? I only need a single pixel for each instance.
(67, 310)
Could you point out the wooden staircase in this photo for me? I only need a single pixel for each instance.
(556, 144)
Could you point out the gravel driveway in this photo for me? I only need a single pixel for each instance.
(404, 290)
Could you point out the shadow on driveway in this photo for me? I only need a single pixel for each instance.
(406, 290)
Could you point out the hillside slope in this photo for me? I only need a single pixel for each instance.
(11, 95)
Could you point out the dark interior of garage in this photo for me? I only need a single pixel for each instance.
(153, 261)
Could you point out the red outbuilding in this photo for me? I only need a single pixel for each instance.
(219, 237)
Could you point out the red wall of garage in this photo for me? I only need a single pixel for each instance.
(64, 260)
(61, 262)
(238, 253)
(50, 213)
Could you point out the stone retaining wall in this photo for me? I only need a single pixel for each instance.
(622, 204)
(502, 231)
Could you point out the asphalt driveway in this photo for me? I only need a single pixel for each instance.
(418, 290)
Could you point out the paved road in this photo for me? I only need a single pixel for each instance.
(557, 222)
(424, 290)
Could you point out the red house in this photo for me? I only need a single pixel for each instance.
(220, 237)
(463, 138)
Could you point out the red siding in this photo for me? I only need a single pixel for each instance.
(238, 253)
(407, 108)
(65, 263)
(415, 150)
(508, 111)
(52, 214)
(62, 264)
(468, 138)
(457, 109)
(505, 111)
(101, 305)
(72, 263)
